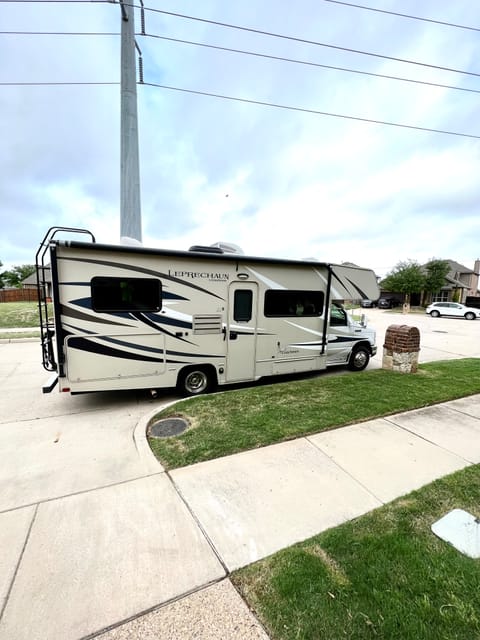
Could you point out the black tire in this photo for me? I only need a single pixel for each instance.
(469, 315)
(195, 381)
(435, 314)
(359, 358)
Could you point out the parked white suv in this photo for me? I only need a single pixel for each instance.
(454, 309)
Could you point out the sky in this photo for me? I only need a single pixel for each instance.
(277, 182)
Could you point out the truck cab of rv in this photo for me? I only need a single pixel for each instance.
(346, 332)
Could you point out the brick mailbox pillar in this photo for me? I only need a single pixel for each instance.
(400, 351)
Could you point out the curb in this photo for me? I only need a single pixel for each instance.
(140, 437)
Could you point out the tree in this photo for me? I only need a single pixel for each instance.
(407, 278)
(15, 276)
(435, 273)
(1, 276)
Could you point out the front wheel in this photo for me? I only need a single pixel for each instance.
(435, 314)
(359, 359)
(470, 315)
(194, 382)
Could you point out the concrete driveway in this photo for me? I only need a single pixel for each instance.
(440, 338)
(93, 532)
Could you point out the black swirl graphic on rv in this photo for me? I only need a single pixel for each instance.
(150, 272)
(146, 320)
(168, 352)
(79, 315)
(354, 285)
(86, 344)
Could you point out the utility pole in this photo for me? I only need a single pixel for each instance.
(130, 209)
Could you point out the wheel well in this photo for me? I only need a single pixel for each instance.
(364, 343)
(209, 369)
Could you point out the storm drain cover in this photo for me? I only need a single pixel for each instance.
(168, 427)
(461, 530)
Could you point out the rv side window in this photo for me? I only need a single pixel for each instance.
(284, 303)
(242, 305)
(126, 294)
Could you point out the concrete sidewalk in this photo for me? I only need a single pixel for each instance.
(96, 539)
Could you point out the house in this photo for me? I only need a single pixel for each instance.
(31, 282)
(460, 282)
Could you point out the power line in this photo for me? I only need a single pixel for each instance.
(311, 111)
(312, 42)
(404, 15)
(311, 64)
(248, 53)
(54, 84)
(58, 1)
(269, 34)
(58, 33)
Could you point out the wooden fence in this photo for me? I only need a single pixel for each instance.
(18, 295)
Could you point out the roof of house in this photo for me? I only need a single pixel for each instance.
(456, 267)
(32, 278)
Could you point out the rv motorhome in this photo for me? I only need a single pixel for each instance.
(128, 317)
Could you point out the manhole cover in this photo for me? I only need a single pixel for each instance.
(168, 427)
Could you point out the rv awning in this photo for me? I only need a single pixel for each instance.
(353, 283)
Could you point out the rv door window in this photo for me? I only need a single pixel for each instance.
(242, 305)
(112, 295)
(338, 316)
(286, 303)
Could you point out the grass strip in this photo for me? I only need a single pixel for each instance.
(17, 315)
(16, 335)
(233, 421)
(384, 575)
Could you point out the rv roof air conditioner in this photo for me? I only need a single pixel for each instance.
(198, 248)
(229, 247)
(218, 247)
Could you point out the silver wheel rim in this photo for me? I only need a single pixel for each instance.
(196, 382)
(360, 358)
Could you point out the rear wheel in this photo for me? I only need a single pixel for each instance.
(195, 381)
(359, 359)
(470, 315)
(435, 314)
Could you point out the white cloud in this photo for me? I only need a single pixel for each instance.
(277, 182)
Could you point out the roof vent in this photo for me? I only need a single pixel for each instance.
(198, 248)
(229, 247)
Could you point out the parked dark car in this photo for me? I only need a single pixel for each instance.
(368, 304)
(387, 303)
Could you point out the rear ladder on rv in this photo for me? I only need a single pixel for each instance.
(44, 283)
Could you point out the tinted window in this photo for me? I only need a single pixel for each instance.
(285, 303)
(242, 305)
(126, 294)
(338, 316)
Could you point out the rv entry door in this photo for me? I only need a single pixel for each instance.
(241, 333)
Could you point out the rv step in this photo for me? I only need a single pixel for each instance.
(51, 382)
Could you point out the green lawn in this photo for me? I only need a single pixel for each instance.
(233, 421)
(383, 576)
(15, 315)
